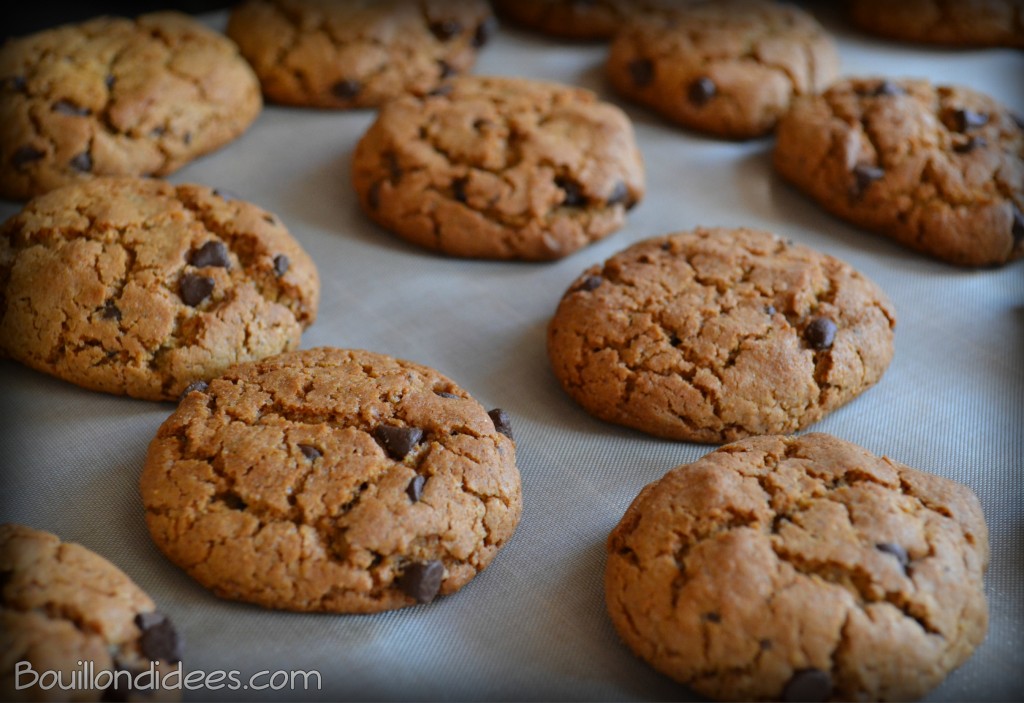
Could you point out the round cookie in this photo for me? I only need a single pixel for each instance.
(945, 22)
(727, 68)
(939, 169)
(139, 287)
(576, 19)
(500, 168)
(62, 605)
(117, 97)
(324, 53)
(716, 334)
(800, 569)
(332, 480)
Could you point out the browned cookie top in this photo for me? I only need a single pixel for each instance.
(576, 19)
(62, 605)
(358, 53)
(938, 168)
(716, 334)
(500, 168)
(332, 480)
(117, 97)
(135, 286)
(726, 67)
(801, 569)
(950, 22)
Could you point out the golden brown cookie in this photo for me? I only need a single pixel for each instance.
(725, 67)
(946, 22)
(939, 169)
(139, 287)
(352, 54)
(576, 19)
(717, 334)
(66, 609)
(332, 480)
(800, 569)
(117, 97)
(500, 168)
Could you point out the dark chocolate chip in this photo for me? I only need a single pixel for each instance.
(110, 81)
(373, 195)
(187, 138)
(590, 283)
(459, 189)
(422, 580)
(897, 551)
(66, 107)
(395, 172)
(619, 194)
(82, 162)
(281, 264)
(766, 644)
(711, 617)
(484, 31)
(194, 288)
(573, 192)
(1018, 226)
(310, 452)
(441, 90)
(446, 72)
(701, 91)
(770, 309)
(965, 119)
(199, 386)
(865, 175)
(808, 685)
(887, 88)
(415, 488)
(158, 131)
(226, 195)
(445, 29)
(642, 72)
(502, 422)
(666, 246)
(346, 89)
(213, 253)
(970, 145)
(398, 441)
(159, 640)
(111, 311)
(820, 333)
(446, 394)
(269, 219)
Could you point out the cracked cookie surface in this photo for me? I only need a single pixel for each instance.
(139, 287)
(800, 568)
(500, 168)
(332, 480)
(946, 22)
(573, 19)
(61, 605)
(716, 334)
(729, 69)
(940, 169)
(324, 53)
(117, 97)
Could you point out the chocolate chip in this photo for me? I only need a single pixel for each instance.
(897, 551)
(422, 580)
(446, 394)
(459, 189)
(502, 422)
(766, 644)
(415, 488)
(346, 89)
(701, 91)
(820, 333)
(269, 219)
(198, 386)
(711, 617)
(484, 31)
(111, 311)
(590, 283)
(82, 162)
(965, 119)
(887, 88)
(970, 145)
(619, 194)
(395, 172)
(194, 288)
(213, 253)
(281, 264)
(441, 90)
(233, 501)
(66, 107)
(373, 195)
(770, 309)
(158, 131)
(865, 175)
(310, 452)
(573, 192)
(15, 83)
(808, 685)
(159, 640)
(398, 441)
(445, 29)
(642, 72)
(5, 578)
(187, 138)
(446, 72)
(110, 81)
(226, 195)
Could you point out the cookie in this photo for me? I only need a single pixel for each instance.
(800, 569)
(500, 168)
(945, 22)
(139, 287)
(716, 334)
(727, 68)
(939, 169)
(117, 97)
(66, 609)
(332, 480)
(576, 19)
(323, 53)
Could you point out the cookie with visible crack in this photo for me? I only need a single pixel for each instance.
(118, 97)
(727, 68)
(800, 569)
(717, 334)
(576, 19)
(138, 287)
(944, 22)
(940, 169)
(342, 55)
(500, 168)
(62, 605)
(332, 480)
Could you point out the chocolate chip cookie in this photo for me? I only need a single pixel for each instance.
(323, 53)
(576, 19)
(500, 168)
(939, 169)
(728, 68)
(139, 287)
(716, 334)
(62, 606)
(117, 97)
(800, 569)
(332, 480)
(946, 22)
